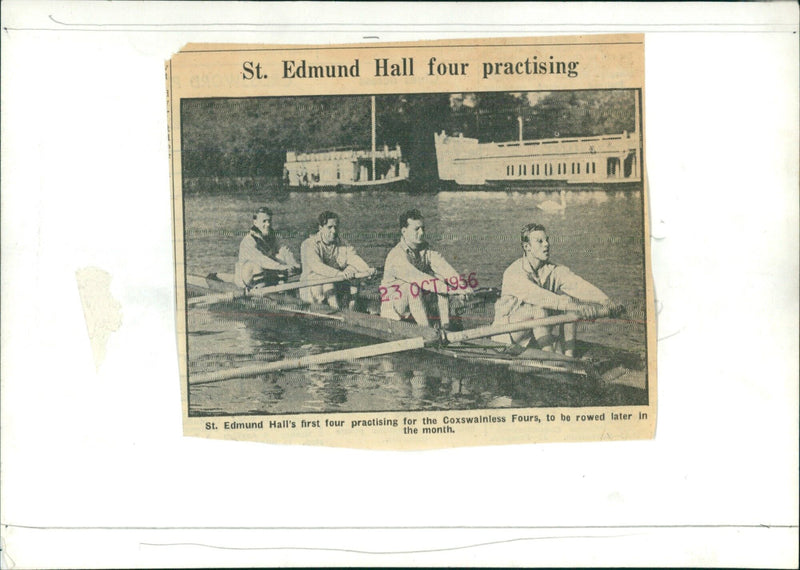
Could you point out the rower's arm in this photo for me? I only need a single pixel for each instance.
(445, 272)
(440, 267)
(535, 295)
(286, 256)
(355, 261)
(249, 252)
(399, 268)
(578, 288)
(312, 262)
(516, 284)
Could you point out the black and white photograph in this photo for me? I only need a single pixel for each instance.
(413, 244)
(322, 233)
(343, 285)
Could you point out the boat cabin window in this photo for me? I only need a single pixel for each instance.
(612, 167)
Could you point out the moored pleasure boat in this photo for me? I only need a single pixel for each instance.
(597, 160)
(601, 160)
(347, 169)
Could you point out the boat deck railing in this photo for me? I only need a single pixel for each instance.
(343, 154)
(538, 142)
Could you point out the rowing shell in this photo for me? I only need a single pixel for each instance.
(479, 351)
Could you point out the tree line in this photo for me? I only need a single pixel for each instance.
(249, 137)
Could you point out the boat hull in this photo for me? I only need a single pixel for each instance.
(481, 351)
(331, 169)
(393, 185)
(607, 160)
(539, 186)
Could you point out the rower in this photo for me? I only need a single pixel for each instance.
(326, 254)
(262, 261)
(534, 288)
(415, 275)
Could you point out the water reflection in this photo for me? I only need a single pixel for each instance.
(597, 235)
(328, 388)
(413, 381)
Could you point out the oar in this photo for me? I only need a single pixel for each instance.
(263, 291)
(492, 330)
(384, 348)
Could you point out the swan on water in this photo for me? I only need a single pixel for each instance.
(551, 206)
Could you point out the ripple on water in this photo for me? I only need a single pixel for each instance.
(599, 236)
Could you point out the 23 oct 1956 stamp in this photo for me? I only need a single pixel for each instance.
(415, 245)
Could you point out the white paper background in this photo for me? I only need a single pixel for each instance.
(100, 455)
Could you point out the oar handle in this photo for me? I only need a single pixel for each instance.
(264, 291)
(302, 284)
(492, 330)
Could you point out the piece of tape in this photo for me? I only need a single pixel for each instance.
(103, 313)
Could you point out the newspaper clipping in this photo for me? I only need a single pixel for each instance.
(413, 245)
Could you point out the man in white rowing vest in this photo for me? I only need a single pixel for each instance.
(262, 260)
(415, 277)
(326, 255)
(534, 288)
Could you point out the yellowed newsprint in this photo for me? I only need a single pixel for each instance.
(413, 245)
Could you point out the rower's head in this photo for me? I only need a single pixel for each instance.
(328, 226)
(412, 227)
(535, 243)
(262, 219)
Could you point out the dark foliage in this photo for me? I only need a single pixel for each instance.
(249, 137)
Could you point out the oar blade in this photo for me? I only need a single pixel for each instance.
(304, 361)
(381, 349)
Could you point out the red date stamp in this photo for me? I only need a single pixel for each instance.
(461, 282)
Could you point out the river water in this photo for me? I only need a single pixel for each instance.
(599, 235)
